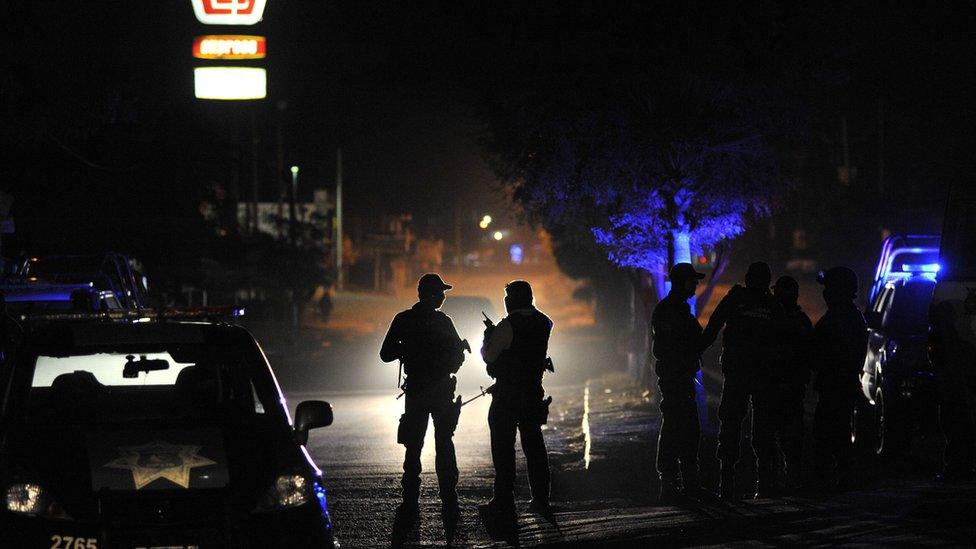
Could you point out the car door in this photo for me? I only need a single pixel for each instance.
(877, 341)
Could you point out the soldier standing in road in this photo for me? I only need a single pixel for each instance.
(792, 373)
(747, 314)
(676, 334)
(839, 345)
(430, 350)
(953, 355)
(515, 352)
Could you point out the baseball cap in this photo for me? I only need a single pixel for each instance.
(432, 282)
(684, 271)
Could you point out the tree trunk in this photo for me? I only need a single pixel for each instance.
(644, 299)
(681, 245)
(722, 261)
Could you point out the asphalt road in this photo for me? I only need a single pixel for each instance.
(362, 465)
(601, 444)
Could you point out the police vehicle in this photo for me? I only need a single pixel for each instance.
(898, 379)
(138, 428)
(73, 282)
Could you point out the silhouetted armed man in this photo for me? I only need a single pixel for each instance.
(676, 336)
(430, 350)
(838, 348)
(791, 372)
(747, 315)
(953, 353)
(515, 352)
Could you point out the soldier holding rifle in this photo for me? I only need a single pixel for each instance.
(429, 349)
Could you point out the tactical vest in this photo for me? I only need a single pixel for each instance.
(750, 325)
(524, 362)
(427, 345)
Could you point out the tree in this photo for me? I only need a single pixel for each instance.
(655, 170)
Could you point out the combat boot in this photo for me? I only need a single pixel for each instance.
(727, 483)
(450, 511)
(502, 508)
(670, 493)
(794, 477)
(407, 514)
(690, 487)
(767, 482)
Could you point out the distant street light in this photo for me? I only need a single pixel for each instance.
(485, 221)
(294, 203)
(498, 235)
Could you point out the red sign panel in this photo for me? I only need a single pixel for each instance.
(229, 46)
(229, 12)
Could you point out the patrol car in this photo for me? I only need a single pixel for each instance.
(148, 429)
(897, 379)
(72, 282)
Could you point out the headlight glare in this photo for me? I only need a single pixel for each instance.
(24, 498)
(30, 499)
(286, 492)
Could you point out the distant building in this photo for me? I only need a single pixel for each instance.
(320, 210)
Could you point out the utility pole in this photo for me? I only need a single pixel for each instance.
(280, 168)
(846, 170)
(458, 254)
(252, 212)
(293, 206)
(881, 137)
(338, 217)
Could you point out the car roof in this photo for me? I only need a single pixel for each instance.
(922, 280)
(93, 334)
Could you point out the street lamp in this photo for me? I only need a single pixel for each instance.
(498, 235)
(485, 221)
(294, 202)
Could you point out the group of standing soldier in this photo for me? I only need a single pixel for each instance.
(769, 349)
(430, 350)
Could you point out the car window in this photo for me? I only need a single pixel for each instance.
(908, 313)
(108, 369)
(881, 304)
(112, 385)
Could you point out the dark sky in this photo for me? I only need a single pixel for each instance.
(399, 86)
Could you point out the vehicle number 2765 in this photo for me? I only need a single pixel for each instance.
(69, 542)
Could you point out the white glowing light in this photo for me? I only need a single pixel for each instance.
(498, 235)
(23, 498)
(230, 83)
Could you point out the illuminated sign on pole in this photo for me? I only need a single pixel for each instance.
(230, 83)
(229, 12)
(229, 47)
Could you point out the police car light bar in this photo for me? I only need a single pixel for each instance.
(923, 247)
(924, 268)
(141, 315)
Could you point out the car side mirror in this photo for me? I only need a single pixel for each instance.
(311, 414)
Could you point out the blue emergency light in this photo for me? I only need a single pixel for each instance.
(923, 268)
(921, 252)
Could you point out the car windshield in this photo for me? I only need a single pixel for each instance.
(909, 310)
(145, 383)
